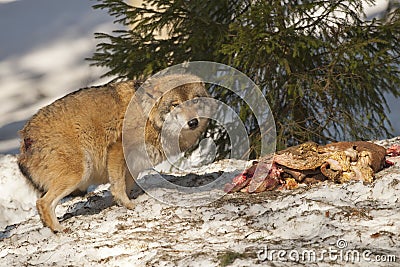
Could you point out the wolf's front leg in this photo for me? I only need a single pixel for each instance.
(117, 170)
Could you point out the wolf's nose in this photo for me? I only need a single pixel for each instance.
(193, 124)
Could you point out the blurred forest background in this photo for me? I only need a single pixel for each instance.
(325, 67)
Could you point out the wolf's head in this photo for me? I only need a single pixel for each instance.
(181, 114)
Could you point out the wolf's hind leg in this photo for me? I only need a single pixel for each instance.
(46, 205)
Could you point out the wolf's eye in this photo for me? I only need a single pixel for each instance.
(173, 105)
(195, 100)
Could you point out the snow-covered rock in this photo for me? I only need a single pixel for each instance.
(322, 225)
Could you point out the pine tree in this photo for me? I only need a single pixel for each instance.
(323, 68)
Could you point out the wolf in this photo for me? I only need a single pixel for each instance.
(76, 141)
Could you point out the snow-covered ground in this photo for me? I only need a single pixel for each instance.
(339, 224)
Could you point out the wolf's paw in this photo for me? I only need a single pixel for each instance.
(127, 204)
(130, 205)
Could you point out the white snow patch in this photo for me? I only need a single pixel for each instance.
(17, 197)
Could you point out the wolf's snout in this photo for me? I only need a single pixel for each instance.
(193, 124)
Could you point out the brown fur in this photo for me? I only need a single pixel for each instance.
(76, 141)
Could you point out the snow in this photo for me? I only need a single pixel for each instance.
(42, 57)
(347, 218)
(17, 198)
(376, 9)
